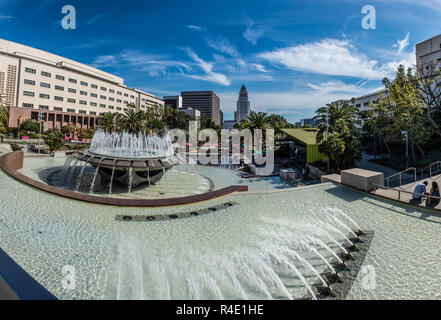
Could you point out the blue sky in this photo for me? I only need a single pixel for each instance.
(293, 56)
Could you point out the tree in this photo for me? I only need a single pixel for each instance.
(31, 125)
(381, 121)
(109, 121)
(408, 108)
(4, 117)
(258, 120)
(278, 122)
(69, 130)
(342, 143)
(208, 123)
(54, 139)
(429, 86)
(133, 121)
(84, 133)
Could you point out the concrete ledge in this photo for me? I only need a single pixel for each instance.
(331, 178)
(11, 162)
(18, 284)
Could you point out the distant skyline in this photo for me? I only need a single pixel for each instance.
(293, 56)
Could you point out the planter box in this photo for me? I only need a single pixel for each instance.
(361, 179)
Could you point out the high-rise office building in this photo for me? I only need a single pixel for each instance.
(67, 91)
(429, 52)
(243, 105)
(207, 102)
(174, 102)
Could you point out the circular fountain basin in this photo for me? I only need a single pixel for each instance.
(125, 171)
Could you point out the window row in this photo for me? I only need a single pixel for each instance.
(71, 80)
(70, 90)
(69, 110)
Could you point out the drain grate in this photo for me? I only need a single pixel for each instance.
(174, 216)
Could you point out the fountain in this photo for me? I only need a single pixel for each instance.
(126, 158)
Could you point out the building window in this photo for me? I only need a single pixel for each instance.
(93, 113)
(93, 104)
(27, 105)
(102, 105)
(31, 82)
(103, 88)
(126, 95)
(125, 109)
(118, 100)
(82, 111)
(83, 83)
(30, 70)
(118, 108)
(58, 98)
(59, 77)
(71, 110)
(84, 93)
(111, 99)
(103, 97)
(58, 109)
(119, 93)
(111, 107)
(83, 102)
(72, 80)
(133, 97)
(111, 91)
(71, 100)
(43, 107)
(44, 96)
(45, 85)
(126, 102)
(93, 95)
(94, 86)
(28, 93)
(59, 88)
(72, 90)
(45, 74)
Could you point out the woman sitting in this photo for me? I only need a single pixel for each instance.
(434, 192)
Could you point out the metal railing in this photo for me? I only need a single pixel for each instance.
(400, 175)
(377, 186)
(430, 169)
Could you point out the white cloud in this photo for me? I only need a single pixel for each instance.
(294, 103)
(329, 56)
(193, 27)
(223, 45)
(402, 44)
(253, 33)
(154, 65)
(105, 61)
(208, 69)
(94, 19)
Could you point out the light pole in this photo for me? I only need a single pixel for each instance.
(40, 117)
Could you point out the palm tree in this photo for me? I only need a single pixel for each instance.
(258, 120)
(109, 121)
(133, 121)
(278, 122)
(4, 116)
(337, 134)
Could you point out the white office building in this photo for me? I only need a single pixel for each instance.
(67, 91)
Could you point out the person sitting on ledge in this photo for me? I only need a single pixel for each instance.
(433, 202)
(419, 192)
